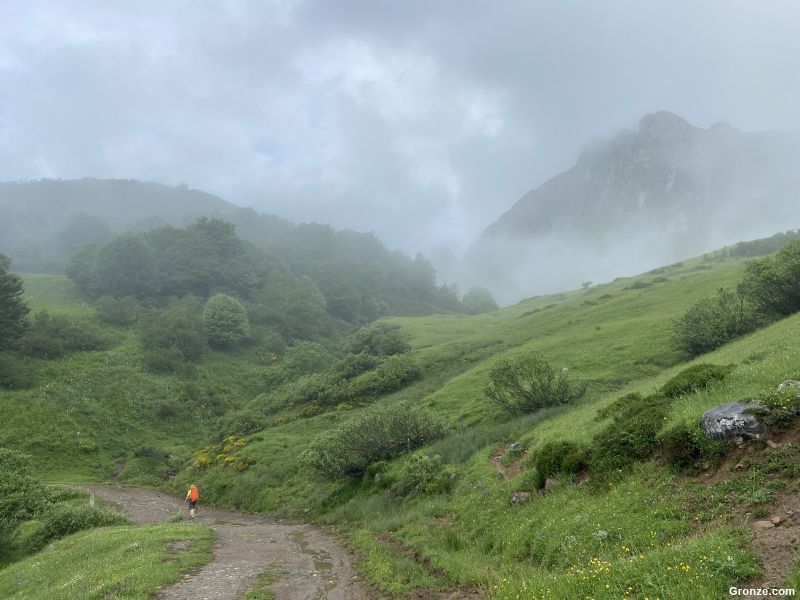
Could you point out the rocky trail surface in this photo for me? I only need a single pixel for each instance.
(307, 564)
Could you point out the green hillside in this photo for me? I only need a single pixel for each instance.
(441, 516)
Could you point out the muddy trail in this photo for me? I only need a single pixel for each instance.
(306, 563)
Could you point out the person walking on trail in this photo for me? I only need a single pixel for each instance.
(192, 498)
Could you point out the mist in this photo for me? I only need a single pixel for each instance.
(421, 123)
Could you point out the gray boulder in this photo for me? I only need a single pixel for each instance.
(730, 422)
(789, 383)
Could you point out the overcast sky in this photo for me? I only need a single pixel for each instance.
(421, 121)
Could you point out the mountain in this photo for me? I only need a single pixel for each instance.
(43, 223)
(666, 191)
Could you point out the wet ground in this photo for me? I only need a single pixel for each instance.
(306, 563)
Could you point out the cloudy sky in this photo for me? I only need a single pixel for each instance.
(421, 121)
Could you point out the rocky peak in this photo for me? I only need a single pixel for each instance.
(664, 125)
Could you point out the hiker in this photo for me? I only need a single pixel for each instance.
(192, 498)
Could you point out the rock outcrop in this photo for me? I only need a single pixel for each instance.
(733, 422)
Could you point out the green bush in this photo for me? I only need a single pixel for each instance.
(173, 336)
(377, 434)
(392, 374)
(379, 339)
(240, 423)
(685, 447)
(424, 474)
(165, 360)
(118, 311)
(479, 300)
(711, 322)
(780, 408)
(21, 494)
(773, 283)
(528, 384)
(322, 389)
(632, 434)
(558, 458)
(15, 374)
(695, 378)
(59, 520)
(225, 321)
(54, 336)
(353, 365)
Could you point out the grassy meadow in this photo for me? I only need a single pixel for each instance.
(645, 532)
(130, 562)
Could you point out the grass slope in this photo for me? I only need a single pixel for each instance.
(647, 535)
(644, 534)
(128, 562)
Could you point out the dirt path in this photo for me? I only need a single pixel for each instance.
(308, 564)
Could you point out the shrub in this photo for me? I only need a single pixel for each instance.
(173, 336)
(711, 322)
(306, 357)
(379, 339)
(14, 373)
(376, 434)
(54, 336)
(59, 520)
(322, 389)
(632, 434)
(695, 378)
(21, 494)
(684, 447)
(240, 423)
(528, 384)
(225, 321)
(118, 311)
(424, 474)
(781, 407)
(392, 374)
(353, 365)
(773, 283)
(479, 300)
(555, 458)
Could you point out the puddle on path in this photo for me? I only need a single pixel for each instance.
(322, 563)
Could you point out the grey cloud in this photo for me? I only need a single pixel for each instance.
(420, 121)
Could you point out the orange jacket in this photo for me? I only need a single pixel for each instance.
(193, 494)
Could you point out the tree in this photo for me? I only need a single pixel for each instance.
(174, 336)
(13, 309)
(225, 321)
(528, 383)
(479, 300)
(773, 283)
(711, 322)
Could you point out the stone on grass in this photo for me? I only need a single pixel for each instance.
(732, 423)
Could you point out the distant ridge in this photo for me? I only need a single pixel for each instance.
(685, 189)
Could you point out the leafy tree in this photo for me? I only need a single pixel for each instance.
(528, 383)
(711, 322)
(13, 309)
(773, 283)
(173, 336)
(80, 268)
(293, 305)
(225, 321)
(479, 300)
(124, 267)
